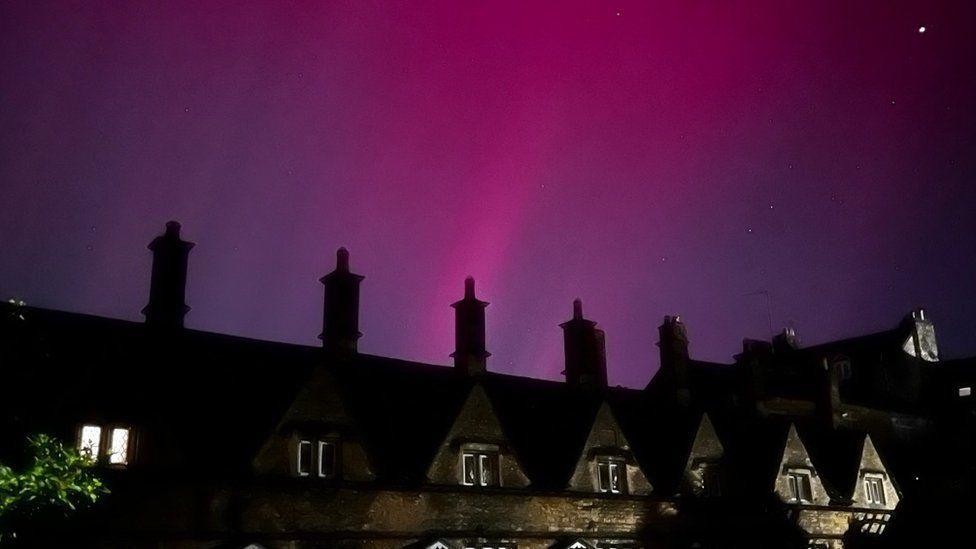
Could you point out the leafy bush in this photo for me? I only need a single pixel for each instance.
(57, 481)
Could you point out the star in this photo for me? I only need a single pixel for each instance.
(921, 30)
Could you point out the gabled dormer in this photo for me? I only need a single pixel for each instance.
(703, 474)
(797, 481)
(316, 437)
(874, 487)
(476, 452)
(606, 463)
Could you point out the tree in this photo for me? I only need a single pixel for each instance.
(57, 482)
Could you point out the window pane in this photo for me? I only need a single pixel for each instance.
(469, 469)
(874, 490)
(615, 484)
(794, 488)
(603, 468)
(805, 491)
(487, 471)
(90, 439)
(118, 452)
(327, 459)
(304, 457)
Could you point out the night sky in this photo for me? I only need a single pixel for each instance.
(650, 158)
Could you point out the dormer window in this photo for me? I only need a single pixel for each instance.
(711, 480)
(110, 445)
(479, 468)
(317, 458)
(799, 483)
(874, 492)
(611, 475)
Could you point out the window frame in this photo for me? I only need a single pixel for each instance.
(612, 465)
(305, 471)
(481, 458)
(877, 483)
(334, 466)
(798, 481)
(711, 475)
(102, 451)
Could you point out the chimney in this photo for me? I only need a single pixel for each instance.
(585, 347)
(920, 339)
(673, 344)
(167, 291)
(786, 341)
(340, 319)
(470, 355)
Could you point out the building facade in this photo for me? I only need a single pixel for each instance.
(214, 441)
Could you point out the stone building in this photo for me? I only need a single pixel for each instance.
(214, 441)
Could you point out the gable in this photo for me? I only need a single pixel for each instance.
(606, 438)
(706, 451)
(871, 467)
(476, 423)
(317, 412)
(795, 458)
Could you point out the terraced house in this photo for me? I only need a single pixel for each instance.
(215, 441)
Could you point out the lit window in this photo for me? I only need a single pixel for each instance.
(612, 476)
(327, 459)
(304, 457)
(799, 482)
(479, 469)
(874, 491)
(118, 450)
(90, 441)
(965, 391)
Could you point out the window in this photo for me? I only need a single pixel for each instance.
(874, 491)
(799, 482)
(711, 481)
(304, 457)
(327, 459)
(90, 441)
(612, 476)
(965, 391)
(479, 468)
(118, 450)
(319, 458)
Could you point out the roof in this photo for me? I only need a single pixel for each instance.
(212, 400)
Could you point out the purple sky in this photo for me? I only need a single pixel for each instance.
(650, 158)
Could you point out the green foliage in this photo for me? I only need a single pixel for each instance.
(58, 480)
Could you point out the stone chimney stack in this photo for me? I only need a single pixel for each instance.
(167, 291)
(470, 354)
(673, 344)
(585, 347)
(786, 341)
(920, 341)
(340, 319)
